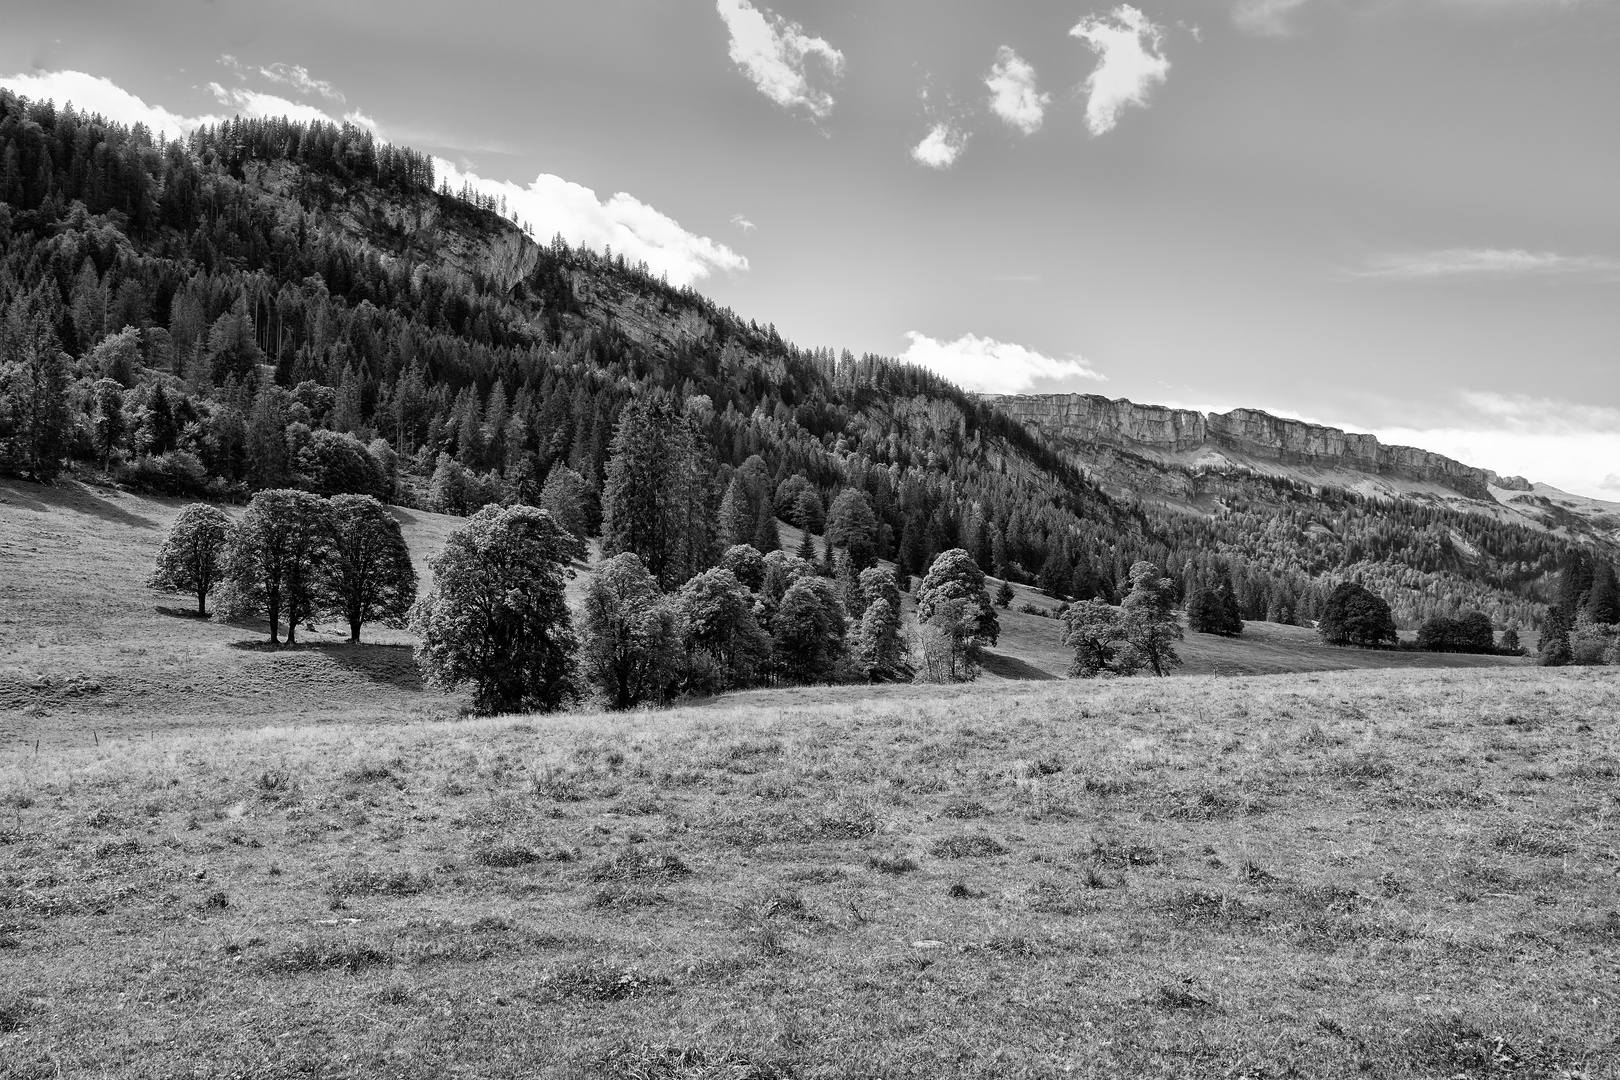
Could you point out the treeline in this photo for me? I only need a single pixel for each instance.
(195, 317)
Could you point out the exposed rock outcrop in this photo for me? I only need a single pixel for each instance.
(1070, 419)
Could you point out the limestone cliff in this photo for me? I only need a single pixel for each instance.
(1242, 438)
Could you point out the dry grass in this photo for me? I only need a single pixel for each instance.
(1352, 874)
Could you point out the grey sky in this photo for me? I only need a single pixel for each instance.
(1398, 217)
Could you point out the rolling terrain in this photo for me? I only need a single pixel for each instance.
(86, 650)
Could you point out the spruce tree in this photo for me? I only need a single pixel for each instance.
(655, 497)
(33, 390)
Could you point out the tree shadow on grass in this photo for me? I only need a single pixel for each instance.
(74, 496)
(179, 612)
(1011, 667)
(390, 665)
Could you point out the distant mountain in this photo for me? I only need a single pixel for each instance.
(1185, 458)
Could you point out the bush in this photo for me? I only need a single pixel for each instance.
(176, 473)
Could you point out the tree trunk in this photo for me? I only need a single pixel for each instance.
(202, 597)
(354, 631)
(275, 618)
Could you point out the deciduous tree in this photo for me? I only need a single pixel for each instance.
(369, 575)
(192, 558)
(277, 557)
(809, 629)
(495, 615)
(724, 647)
(1354, 616)
(629, 650)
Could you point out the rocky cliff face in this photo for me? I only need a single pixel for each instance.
(1071, 419)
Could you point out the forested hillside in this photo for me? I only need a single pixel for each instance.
(271, 303)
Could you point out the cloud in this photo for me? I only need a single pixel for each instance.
(1568, 445)
(255, 103)
(96, 95)
(778, 56)
(1487, 264)
(1266, 18)
(1012, 92)
(990, 366)
(743, 223)
(552, 205)
(1129, 62)
(941, 147)
(1611, 482)
(299, 77)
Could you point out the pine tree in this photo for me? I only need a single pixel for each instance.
(1603, 601)
(33, 392)
(766, 538)
(655, 499)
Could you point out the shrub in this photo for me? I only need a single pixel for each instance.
(176, 473)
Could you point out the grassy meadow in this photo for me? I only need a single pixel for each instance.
(1347, 874)
(218, 859)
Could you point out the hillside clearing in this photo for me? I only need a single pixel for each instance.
(87, 651)
(1368, 873)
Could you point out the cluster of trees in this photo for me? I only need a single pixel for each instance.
(1583, 624)
(1139, 634)
(291, 556)
(169, 318)
(1214, 609)
(496, 618)
(1353, 615)
(1470, 632)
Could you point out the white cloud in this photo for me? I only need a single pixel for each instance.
(255, 103)
(1487, 263)
(1129, 62)
(990, 366)
(299, 77)
(1570, 446)
(779, 57)
(1012, 92)
(941, 147)
(552, 205)
(743, 223)
(1611, 482)
(96, 95)
(1267, 18)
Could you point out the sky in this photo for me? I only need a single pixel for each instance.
(1393, 216)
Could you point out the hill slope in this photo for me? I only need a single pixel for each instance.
(87, 652)
(279, 280)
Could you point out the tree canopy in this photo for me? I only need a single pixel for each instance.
(495, 615)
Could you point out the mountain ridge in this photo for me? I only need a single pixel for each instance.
(1253, 432)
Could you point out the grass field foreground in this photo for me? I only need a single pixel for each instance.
(1348, 874)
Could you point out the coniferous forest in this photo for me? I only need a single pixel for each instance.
(273, 305)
